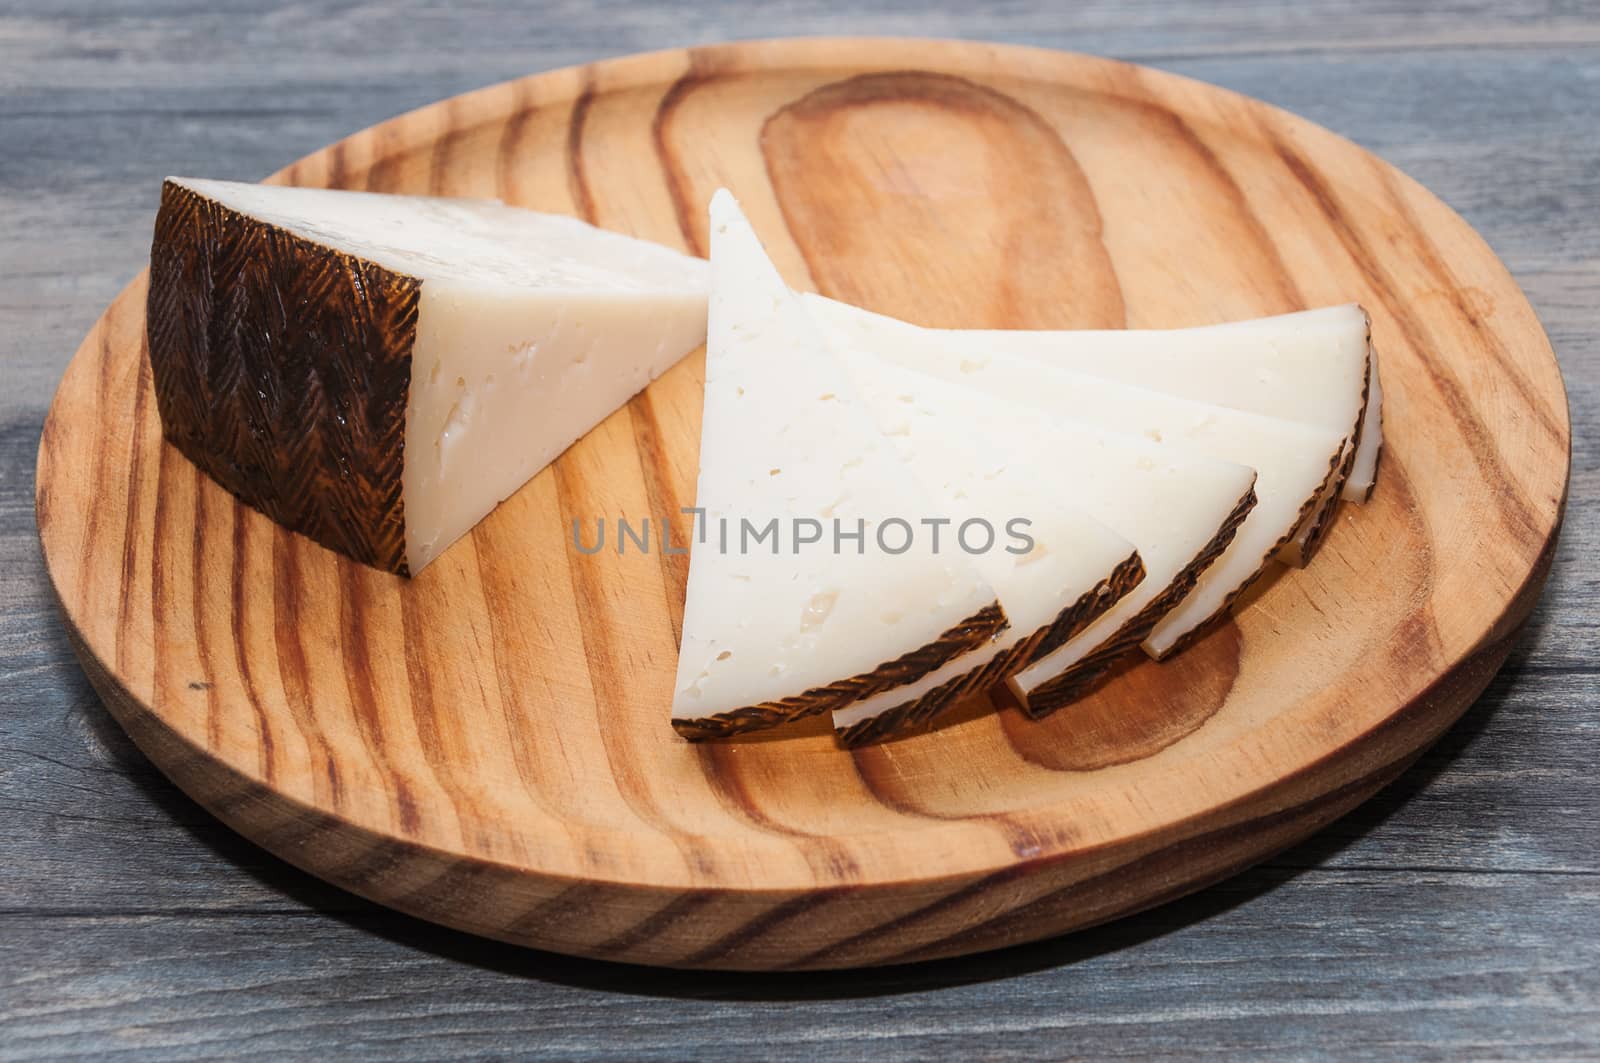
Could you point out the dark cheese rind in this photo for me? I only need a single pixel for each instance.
(282, 369)
(1323, 520)
(1089, 607)
(1377, 458)
(907, 668)
(1084, 674)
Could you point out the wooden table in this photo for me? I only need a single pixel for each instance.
(1457, 914)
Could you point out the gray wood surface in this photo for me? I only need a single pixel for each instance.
(1457, 915)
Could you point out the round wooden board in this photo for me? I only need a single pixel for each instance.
(487, 745)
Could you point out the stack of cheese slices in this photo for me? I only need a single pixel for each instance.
(889, 517)
(1156, 474)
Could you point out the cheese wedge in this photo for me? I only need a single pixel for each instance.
(838, 603)
(379, 372)
(1311, 366)
(994, 458)
(1292, 460)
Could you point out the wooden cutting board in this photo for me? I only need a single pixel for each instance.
(487, 745)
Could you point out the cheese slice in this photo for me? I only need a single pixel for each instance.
(379, 372)
(1292, 460)
(1070, 597)
(1364, 471)
(839, 604)
(1312, 366)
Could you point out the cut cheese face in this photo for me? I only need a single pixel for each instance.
(437, 355)
(1018, 507)
(839, 603)
(1310, 367)
(1292, 460)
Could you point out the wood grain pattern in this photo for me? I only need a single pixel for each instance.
(335, 721)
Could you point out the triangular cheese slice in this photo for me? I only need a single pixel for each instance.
(1020, 460)
(1312, 366)
(379, 372)
(838, 604)
(1292, 460)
